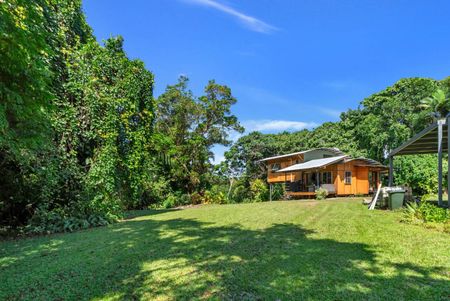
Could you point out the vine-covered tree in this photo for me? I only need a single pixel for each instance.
(76, 120)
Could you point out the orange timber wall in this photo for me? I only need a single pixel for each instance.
(360, 179)
(273, 177)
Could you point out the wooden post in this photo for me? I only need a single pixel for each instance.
(317, 179)
(440, 162)
(448, 160)
(270, 191)
(391, 171)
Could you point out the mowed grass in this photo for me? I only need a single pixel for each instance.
(296, 250)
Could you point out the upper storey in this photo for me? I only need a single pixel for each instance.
(276, 163)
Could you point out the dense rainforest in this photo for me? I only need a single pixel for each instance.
(82, 137)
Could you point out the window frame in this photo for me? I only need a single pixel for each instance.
(272, 169)
(330, 177)
(349, 177)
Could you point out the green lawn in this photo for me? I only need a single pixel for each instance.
(313, 250)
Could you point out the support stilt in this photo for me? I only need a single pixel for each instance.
(440, 162)
(270, 191)
(448, 160)
(391, 171)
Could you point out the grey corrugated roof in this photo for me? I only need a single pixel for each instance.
(313, 164)
(334, 150)
(425, 142)
(282, 156)
(369, 162)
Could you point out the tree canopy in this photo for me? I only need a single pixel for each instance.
(82, 136)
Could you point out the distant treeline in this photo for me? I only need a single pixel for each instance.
(382, 122)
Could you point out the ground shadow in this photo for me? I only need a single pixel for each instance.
(185, 259)
(131, 214)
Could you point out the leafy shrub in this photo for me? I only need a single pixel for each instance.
(321, 194)
(156, 191)
(169, 202)
(196, 198)
(240, 194)
(425, 212)
(63, 220)
(215, 195)
(175, 200)
(418, 171)
(259, 191)
(278, 191)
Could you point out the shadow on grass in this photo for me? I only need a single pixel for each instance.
(183, 259)
(138, 213)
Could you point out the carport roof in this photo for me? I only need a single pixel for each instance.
(425, 142)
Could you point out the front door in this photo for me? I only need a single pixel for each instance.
(310, 180)
(373, 181)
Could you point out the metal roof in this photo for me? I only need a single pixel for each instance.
(313, 164)
(333, 150)
(425, 142)
(368, 162)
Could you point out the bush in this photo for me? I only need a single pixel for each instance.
(240, 194)
(259, 191)
(216, 195)
(175, 200)
(278, 191)
(418, 171)
(156, 192)
(63, 220)
(425, 212)
(321, 194)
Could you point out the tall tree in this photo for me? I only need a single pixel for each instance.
(192, 126)
(438, 103)
(109, 129)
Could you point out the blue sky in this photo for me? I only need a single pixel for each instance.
(291, 64)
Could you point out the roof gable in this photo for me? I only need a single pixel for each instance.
(335, 151)
(317, 163)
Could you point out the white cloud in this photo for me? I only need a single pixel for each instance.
(250, 22)
(276, 125)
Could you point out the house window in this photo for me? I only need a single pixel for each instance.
(276, 166)
(326, 177)
(348, 177)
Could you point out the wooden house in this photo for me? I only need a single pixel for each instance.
(304, 172)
